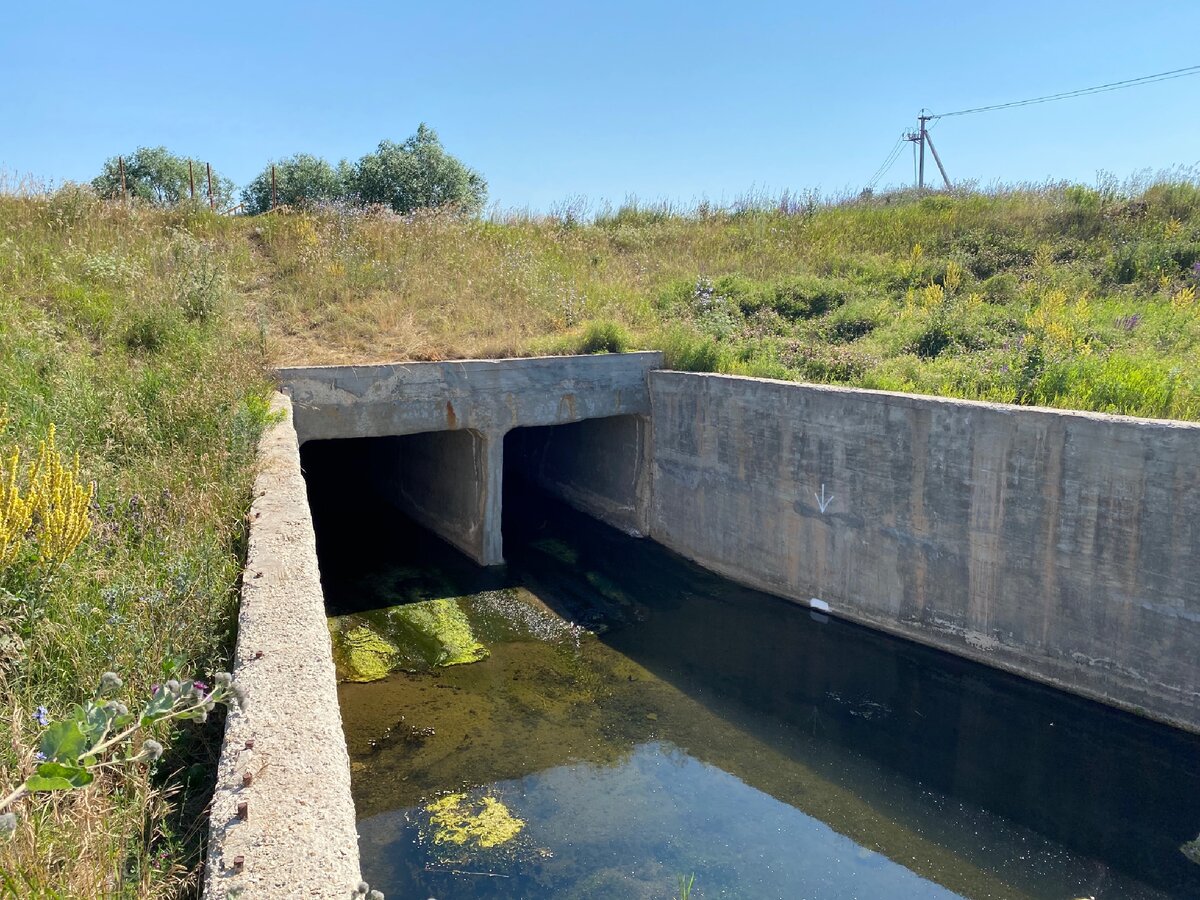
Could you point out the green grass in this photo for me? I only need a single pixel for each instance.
(147, 338)
(1060, 296)
(123, 329)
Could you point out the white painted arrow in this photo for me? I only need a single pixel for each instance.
(823, 501)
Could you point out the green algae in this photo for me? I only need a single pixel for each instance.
(362, 655)
(607, 589)
(439, 631)
(370, 646)
(459, 820)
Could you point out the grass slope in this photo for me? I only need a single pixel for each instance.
(147, 338)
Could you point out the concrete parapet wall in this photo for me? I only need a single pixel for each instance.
(1061, 546)
(486, 395)
(299, 837)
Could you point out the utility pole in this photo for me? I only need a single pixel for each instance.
(191, 181)
(274, 198)
(121, 166)
(210, 193)
(921, 137)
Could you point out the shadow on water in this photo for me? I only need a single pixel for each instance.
(699, 726)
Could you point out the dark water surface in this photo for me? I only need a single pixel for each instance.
(700, 727)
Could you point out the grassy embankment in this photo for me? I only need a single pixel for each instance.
(1054, 297)
(147, 336)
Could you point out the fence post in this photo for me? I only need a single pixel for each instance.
(121, 166)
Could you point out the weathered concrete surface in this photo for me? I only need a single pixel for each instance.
(601, 466)
(487, 395)
(299, 839)
(485, 399)
(1058, 545)
(449, 482)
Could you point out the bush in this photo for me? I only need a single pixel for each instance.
(301, 180)
(156, 176)
(417, 174)
(604, 336)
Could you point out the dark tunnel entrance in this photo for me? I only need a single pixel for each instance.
(598, 466)
(457, 484)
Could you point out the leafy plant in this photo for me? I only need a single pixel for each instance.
(99, 734)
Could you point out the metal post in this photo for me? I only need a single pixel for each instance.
(274, 198)
(922, 138)
(210, 194)
(191, 182)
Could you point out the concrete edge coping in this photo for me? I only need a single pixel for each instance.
(282, 821)
(497, 361)
(935, 399)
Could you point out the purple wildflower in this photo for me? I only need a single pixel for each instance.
(41, 715)
(1129, 322)
(39, 756)
(201, 686)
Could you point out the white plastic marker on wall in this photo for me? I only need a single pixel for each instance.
(818, 605)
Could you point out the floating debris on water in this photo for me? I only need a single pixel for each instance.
(1192, 850)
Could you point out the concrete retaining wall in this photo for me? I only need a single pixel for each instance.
(1058, 545)
(298, 837)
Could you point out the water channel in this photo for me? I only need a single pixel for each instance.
(631, 718)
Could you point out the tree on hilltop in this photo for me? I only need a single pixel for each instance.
(415, 174)
(159, 177)
(300, 180)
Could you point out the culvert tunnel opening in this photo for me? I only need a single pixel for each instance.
(374, 500)
(462, 492)
(598, 466)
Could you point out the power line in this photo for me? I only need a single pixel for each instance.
(1081, 92)
(888, 162)
(922, 138)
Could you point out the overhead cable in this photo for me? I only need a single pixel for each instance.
(1081, 92)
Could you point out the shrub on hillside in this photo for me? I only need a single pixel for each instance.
(157, 176)
(604, 336)
(417, 174)
(302, 180)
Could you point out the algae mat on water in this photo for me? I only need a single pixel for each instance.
(369, 646)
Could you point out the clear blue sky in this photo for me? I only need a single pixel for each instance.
(606, 100)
